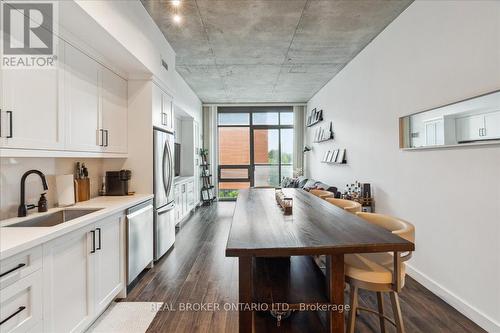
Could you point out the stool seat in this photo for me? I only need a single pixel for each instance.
(372, 268)
(348, 205)
(323, 194)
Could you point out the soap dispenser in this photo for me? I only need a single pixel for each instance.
(42, 203)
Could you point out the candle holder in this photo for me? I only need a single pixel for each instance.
(287, 205)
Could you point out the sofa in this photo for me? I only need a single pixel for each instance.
(308, 184)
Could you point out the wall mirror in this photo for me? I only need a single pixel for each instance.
(472, 121)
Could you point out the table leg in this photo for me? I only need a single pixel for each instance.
(335, 280)
(246, 318)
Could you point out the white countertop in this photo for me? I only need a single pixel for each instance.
(18, 239)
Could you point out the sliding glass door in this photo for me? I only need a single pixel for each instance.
(255, 147)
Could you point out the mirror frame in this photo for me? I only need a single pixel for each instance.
(404, 138)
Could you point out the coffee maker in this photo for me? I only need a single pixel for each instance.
(117, 182)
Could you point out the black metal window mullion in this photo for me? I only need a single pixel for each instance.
(252, 155)
(252, 127)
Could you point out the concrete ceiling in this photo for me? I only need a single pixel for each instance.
(236, 51)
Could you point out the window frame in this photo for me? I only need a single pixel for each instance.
(252, 127)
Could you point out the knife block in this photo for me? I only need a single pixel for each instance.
(82, 189)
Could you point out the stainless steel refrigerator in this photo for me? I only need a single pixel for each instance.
(164, 219)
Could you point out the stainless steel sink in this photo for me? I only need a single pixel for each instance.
(55, 218)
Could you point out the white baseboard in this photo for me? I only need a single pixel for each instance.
(487, 323)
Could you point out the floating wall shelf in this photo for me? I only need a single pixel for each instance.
(323, 140)
(315, 122)
(314, 117)
(337, 156)
(345, 162)
(323, 134)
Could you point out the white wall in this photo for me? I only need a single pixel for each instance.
(130, 24)
(435, 53)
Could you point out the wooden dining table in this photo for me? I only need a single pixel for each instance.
(274, 256)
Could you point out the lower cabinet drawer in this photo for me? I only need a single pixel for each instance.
(19, 266)
(21, 304)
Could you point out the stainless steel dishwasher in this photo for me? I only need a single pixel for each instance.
(140, 243)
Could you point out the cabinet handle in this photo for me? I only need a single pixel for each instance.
(93, 241)
(10, 124)
(100, 137)
(12, 270)
(99, 246)
(484, 131)
(21, 308)
(107, 138)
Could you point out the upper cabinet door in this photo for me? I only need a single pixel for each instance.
(470, 128)
(168, 113)
(31, 113)
(492, 125)
(82, 102)
(157, 106)
(114, 112)
(163, 115)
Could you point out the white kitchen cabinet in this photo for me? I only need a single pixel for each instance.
(184, 197)
(157, 104)
(21, 305)
(484, 126)
(19, 266)
(492, 125)
(434, 132)
(469, 128)
(82, 102)
(114, 112)
(163, 114)
(81, 275)
(177, 200)
(68, 266)
(107, 269)
(190, 195)
(96, 105)
(31, 112)
(168, 112)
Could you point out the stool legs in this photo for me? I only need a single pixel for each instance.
(380, 302)
(396, 309)
(352, 311)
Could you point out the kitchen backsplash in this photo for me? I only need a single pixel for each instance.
(12, 169)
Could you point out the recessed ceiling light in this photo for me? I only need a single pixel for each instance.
(177, 18)
(176, 2)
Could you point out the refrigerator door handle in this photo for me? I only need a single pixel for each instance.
(165, 209)
(167, 167)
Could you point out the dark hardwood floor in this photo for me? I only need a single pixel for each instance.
(196, 270)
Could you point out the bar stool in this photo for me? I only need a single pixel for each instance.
(375, 272)
(321, 193)
(348, 205)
